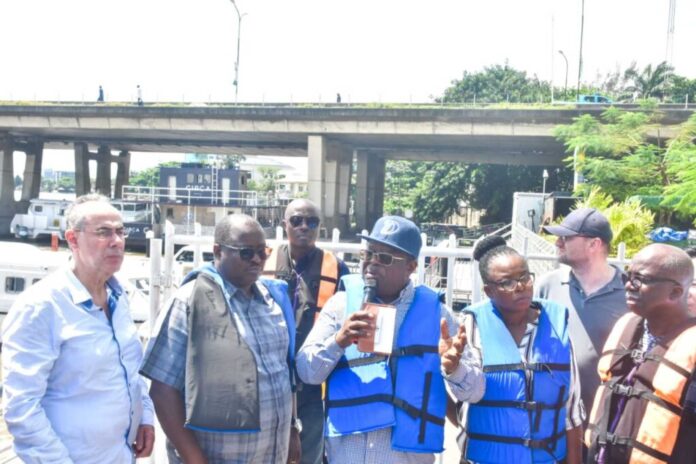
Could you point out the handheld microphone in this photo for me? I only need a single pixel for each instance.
(370, 290)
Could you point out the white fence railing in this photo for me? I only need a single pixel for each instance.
(461, 277)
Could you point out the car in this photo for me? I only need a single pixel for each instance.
(596, 98)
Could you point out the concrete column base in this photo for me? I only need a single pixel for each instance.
(83, 184)
(369, 189)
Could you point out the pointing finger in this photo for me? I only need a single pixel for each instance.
(444, 329)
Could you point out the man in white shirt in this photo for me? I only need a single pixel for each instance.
(70, 355)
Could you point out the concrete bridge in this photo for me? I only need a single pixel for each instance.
(335, 140)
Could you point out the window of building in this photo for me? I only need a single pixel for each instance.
(38, 208)
(189, 178)
(170, 213)
(14, 285)
(200, 178)
(207, 178)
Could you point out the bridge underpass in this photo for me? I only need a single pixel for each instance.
(333, 140)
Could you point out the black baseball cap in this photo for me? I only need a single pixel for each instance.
(584, 221)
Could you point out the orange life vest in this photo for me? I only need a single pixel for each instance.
(650, 424)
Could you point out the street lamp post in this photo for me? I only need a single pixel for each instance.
(582, 31)
(545, 176)
(239, 36)
(565, 88)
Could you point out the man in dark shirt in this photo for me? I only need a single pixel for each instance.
(312, 276)
(591, 289)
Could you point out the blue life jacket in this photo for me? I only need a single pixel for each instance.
(368, 392)
(521, 418)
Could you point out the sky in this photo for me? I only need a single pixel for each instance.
(309, 50)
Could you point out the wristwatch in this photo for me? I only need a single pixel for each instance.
(296, 424)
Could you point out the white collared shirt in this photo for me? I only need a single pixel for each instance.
(72, 392)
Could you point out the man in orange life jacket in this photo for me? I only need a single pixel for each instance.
(645, 409)
(312, 276)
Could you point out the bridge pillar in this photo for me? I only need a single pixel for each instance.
(122, 171)
(327, 179)
(7, 201)
(343, 177)
(83, 185)
(103, 184)
(31, 183)
(369, 190)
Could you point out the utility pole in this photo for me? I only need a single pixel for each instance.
(239, 37)
(582, 31)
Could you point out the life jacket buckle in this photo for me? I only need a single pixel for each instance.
(623, 390)
(531, 405)
(638, 356)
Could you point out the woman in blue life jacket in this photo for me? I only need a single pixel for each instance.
(531, 411)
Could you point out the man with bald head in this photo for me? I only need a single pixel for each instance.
(221, 362)
(645, 408)
(312, 275)
(70, 355)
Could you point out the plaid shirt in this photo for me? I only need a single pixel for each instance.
(261, 323)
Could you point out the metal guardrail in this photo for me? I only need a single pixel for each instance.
(461, 276)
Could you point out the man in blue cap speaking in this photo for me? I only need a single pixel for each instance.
(388, 408)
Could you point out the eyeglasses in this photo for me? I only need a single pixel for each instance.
(385, 259)
(510, 285)
(107, 233)
(248, 253)
(637, 280)
(311, 221)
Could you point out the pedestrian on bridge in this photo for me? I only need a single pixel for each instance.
(139, 94)
(100, 97)
(70, 354)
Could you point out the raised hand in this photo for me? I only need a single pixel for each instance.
(451, 348)
(359, 324)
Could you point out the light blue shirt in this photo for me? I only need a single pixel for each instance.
(72, 392)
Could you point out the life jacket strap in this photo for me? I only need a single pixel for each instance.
(408, 408)
(533, 406)
(415, 350)
(344, 363)
(522, 366)
(632, 392)
(545, 444)
(613, 439)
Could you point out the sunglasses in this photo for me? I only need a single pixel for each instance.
(311, 221)
(248, 253)
(385, 259)
(637, 280)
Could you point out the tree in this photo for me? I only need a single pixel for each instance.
(683, 90)
(434, 190)
(616, 154)
(149, 177)
(498, 83)
(649, 82)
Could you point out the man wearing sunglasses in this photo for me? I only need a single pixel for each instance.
(590, 288)
(70, 354)
(312, 275)
(222, 362)
(645, 408)
(388, 409)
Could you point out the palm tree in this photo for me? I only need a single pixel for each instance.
(649, 82)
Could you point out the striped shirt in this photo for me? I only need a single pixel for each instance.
(575, 410)
(261, 323)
